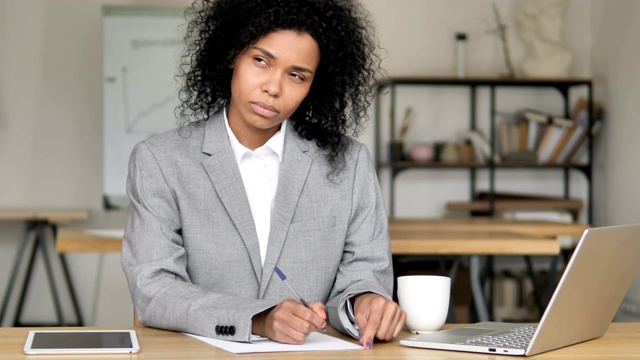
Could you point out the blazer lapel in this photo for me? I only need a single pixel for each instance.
(297, 159)
(223, 171)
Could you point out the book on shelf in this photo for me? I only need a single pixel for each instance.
(582, 105)
(561, 138)
(562, 144)
(512, 138)
(538, 125)
(504, 134)
(585, 127)
(550, 141)
(545, 119)
(550, 151)
(523, 137)
(578, 136)
(481, 146)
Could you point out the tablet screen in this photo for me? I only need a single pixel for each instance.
(82, 340)
(86, 341)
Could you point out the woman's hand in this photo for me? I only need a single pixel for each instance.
(289, 322)
(378, 317)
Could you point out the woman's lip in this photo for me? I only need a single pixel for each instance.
(263, 109)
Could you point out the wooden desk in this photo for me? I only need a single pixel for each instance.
(411, 233)
(464, 224)
(419, 241)
(40, 233)
(85, 241)
(443, 242)
(414, 241)
(450, 236)
(622, 340)
(51, 216)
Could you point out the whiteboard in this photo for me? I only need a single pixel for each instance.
(141, 53)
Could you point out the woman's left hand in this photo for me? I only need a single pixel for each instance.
(378, 317)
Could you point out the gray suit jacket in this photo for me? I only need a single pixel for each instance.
(191, 253)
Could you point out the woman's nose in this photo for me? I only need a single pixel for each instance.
(272, 86)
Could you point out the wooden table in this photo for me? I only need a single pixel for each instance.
(53, 216)
(434, 236)
(403, 242)
(475, 236)
(442, 242)
(72, 240)
(475, 224)
(622, 340)
(40, 234)
(473, 244)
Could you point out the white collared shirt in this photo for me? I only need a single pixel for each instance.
(259, 170)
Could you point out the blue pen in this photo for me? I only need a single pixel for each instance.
(295, 294)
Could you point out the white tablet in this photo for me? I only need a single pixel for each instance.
(81, 342)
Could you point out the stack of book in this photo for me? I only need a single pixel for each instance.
(532, 136)
(556, 140)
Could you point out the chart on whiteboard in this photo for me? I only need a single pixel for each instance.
(141, 54)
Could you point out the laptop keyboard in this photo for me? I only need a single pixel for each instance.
(518, 338)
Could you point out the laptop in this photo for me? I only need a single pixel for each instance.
(583, 305)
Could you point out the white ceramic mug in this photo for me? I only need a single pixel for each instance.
(425, 299)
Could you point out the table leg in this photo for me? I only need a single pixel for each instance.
(72, 292)
(29, 236)
(536, 289)
(553, 274)
(51, 240)
(49, 272)
(67, 277)
(27, 277)
(452, 275)
(37, 233)
(476, 288)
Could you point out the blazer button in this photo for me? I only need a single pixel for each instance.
(217, 329)
(232, 330)
(225, 330)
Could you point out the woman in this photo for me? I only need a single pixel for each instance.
(262, 174)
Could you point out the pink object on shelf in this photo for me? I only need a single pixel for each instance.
(421, 152)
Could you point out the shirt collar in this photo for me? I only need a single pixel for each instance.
(275, 143)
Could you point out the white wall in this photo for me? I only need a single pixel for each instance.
(50, 112)
(51, 140)
(615, 56)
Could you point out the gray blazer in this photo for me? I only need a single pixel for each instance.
(191, 253)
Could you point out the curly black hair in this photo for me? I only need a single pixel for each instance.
(342, 90)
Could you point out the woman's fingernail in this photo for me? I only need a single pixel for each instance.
(368, 345)
(324, 324)
(323, 313)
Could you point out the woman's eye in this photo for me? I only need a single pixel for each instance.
(260, 61)
(297, 77)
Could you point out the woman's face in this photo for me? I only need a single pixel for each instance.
(270, 80)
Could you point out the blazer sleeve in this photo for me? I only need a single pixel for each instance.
(155, 263)
(366, 264)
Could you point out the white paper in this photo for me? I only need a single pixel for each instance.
(315, 342)
(117, 233)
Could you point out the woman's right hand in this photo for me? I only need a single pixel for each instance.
(289, 322)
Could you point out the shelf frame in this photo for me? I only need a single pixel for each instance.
(563, 86)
